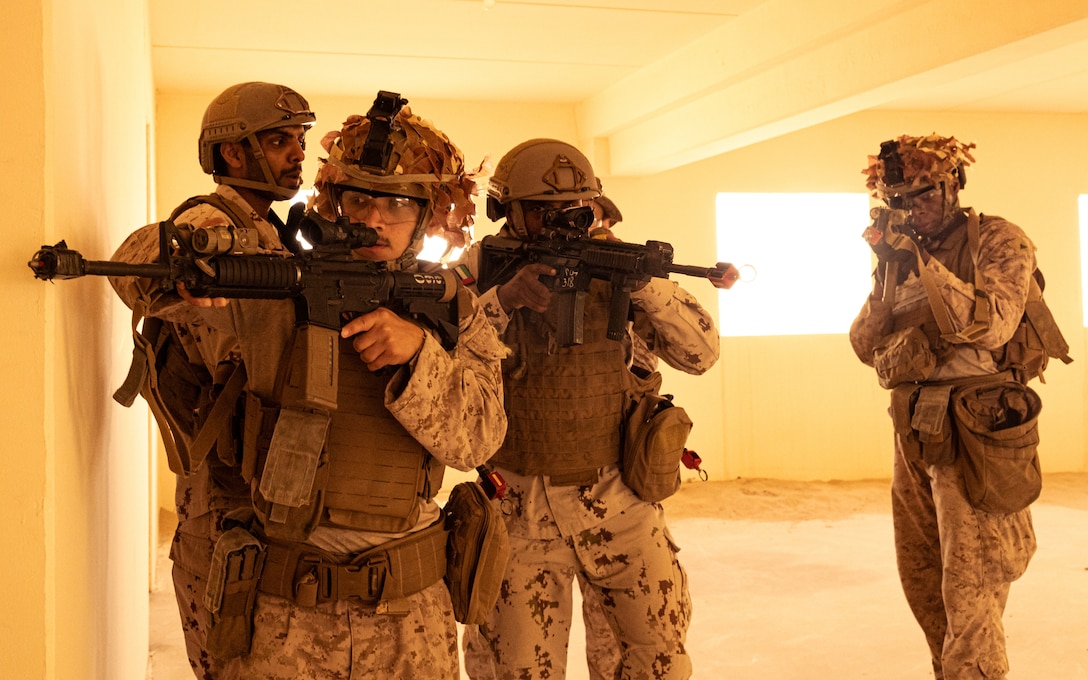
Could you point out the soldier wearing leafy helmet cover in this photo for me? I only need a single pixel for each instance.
(337, 568)
(252, 141)
(952, 328)
(568, 510)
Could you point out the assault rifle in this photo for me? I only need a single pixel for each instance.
(566, 246)
(326, 284)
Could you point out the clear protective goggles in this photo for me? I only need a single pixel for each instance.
(357, 206)
(909, 199)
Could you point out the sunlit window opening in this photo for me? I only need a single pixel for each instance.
(1082, 204)
(804, 268)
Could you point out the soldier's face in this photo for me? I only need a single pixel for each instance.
(931, 209)
(393, 217)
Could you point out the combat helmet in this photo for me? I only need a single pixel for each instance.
(237, 115)
(393, 152)
(538, 170)
(909, 165)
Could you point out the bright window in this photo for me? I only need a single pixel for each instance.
(808, 270)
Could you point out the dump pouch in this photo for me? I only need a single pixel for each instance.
(232, 589)
(998, 426)
(477, 550)
(655, 432)
(903, 356)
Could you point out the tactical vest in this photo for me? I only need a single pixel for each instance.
(564, 405)
(371, 472)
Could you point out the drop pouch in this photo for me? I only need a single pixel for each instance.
(655, 433)
(477, 550)
(998, 428)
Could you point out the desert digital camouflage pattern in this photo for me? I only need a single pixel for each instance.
(956, 563)
(619, 544)
(205, 497)
(451, 402)
(344, 640)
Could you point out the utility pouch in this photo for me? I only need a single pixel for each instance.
(903, 356)
(232, 589)
(932, 425)
(477, 550)
(286, 500)
(998, 426)
(655, 433)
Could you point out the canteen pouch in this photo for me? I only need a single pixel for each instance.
(998, 427)
(477, 550)
(656, 431)
(232, 590)
(903, 356)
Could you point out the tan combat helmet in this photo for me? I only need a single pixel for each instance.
(538, 170)
(393, 152)
(237, 115)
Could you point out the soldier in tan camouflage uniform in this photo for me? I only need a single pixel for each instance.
(568, 511)
(339, 571)
(252, 141)
(951, 289)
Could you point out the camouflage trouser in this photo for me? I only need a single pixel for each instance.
(630, 563)
(955, 565)
(191, 554)
(347, 639)
(602, 650)
(189, 591)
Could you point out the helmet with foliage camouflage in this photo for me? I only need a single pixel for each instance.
(910, 165)
(539, 170)
(237, 115)
(407, 156)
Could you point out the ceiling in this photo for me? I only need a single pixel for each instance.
(655, 54)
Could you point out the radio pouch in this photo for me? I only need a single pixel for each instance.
(232, 589)
(477, 550)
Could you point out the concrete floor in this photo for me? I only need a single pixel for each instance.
(797, 581)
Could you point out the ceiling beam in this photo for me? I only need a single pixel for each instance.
(736, 86)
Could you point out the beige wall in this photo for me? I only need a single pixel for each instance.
(74, 496)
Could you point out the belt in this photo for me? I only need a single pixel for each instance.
(309, 576)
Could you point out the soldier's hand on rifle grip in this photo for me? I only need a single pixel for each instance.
(200, 301)
(526, 289)
(384, 339)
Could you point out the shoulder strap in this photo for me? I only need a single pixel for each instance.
(143, 378)
(981, 318)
